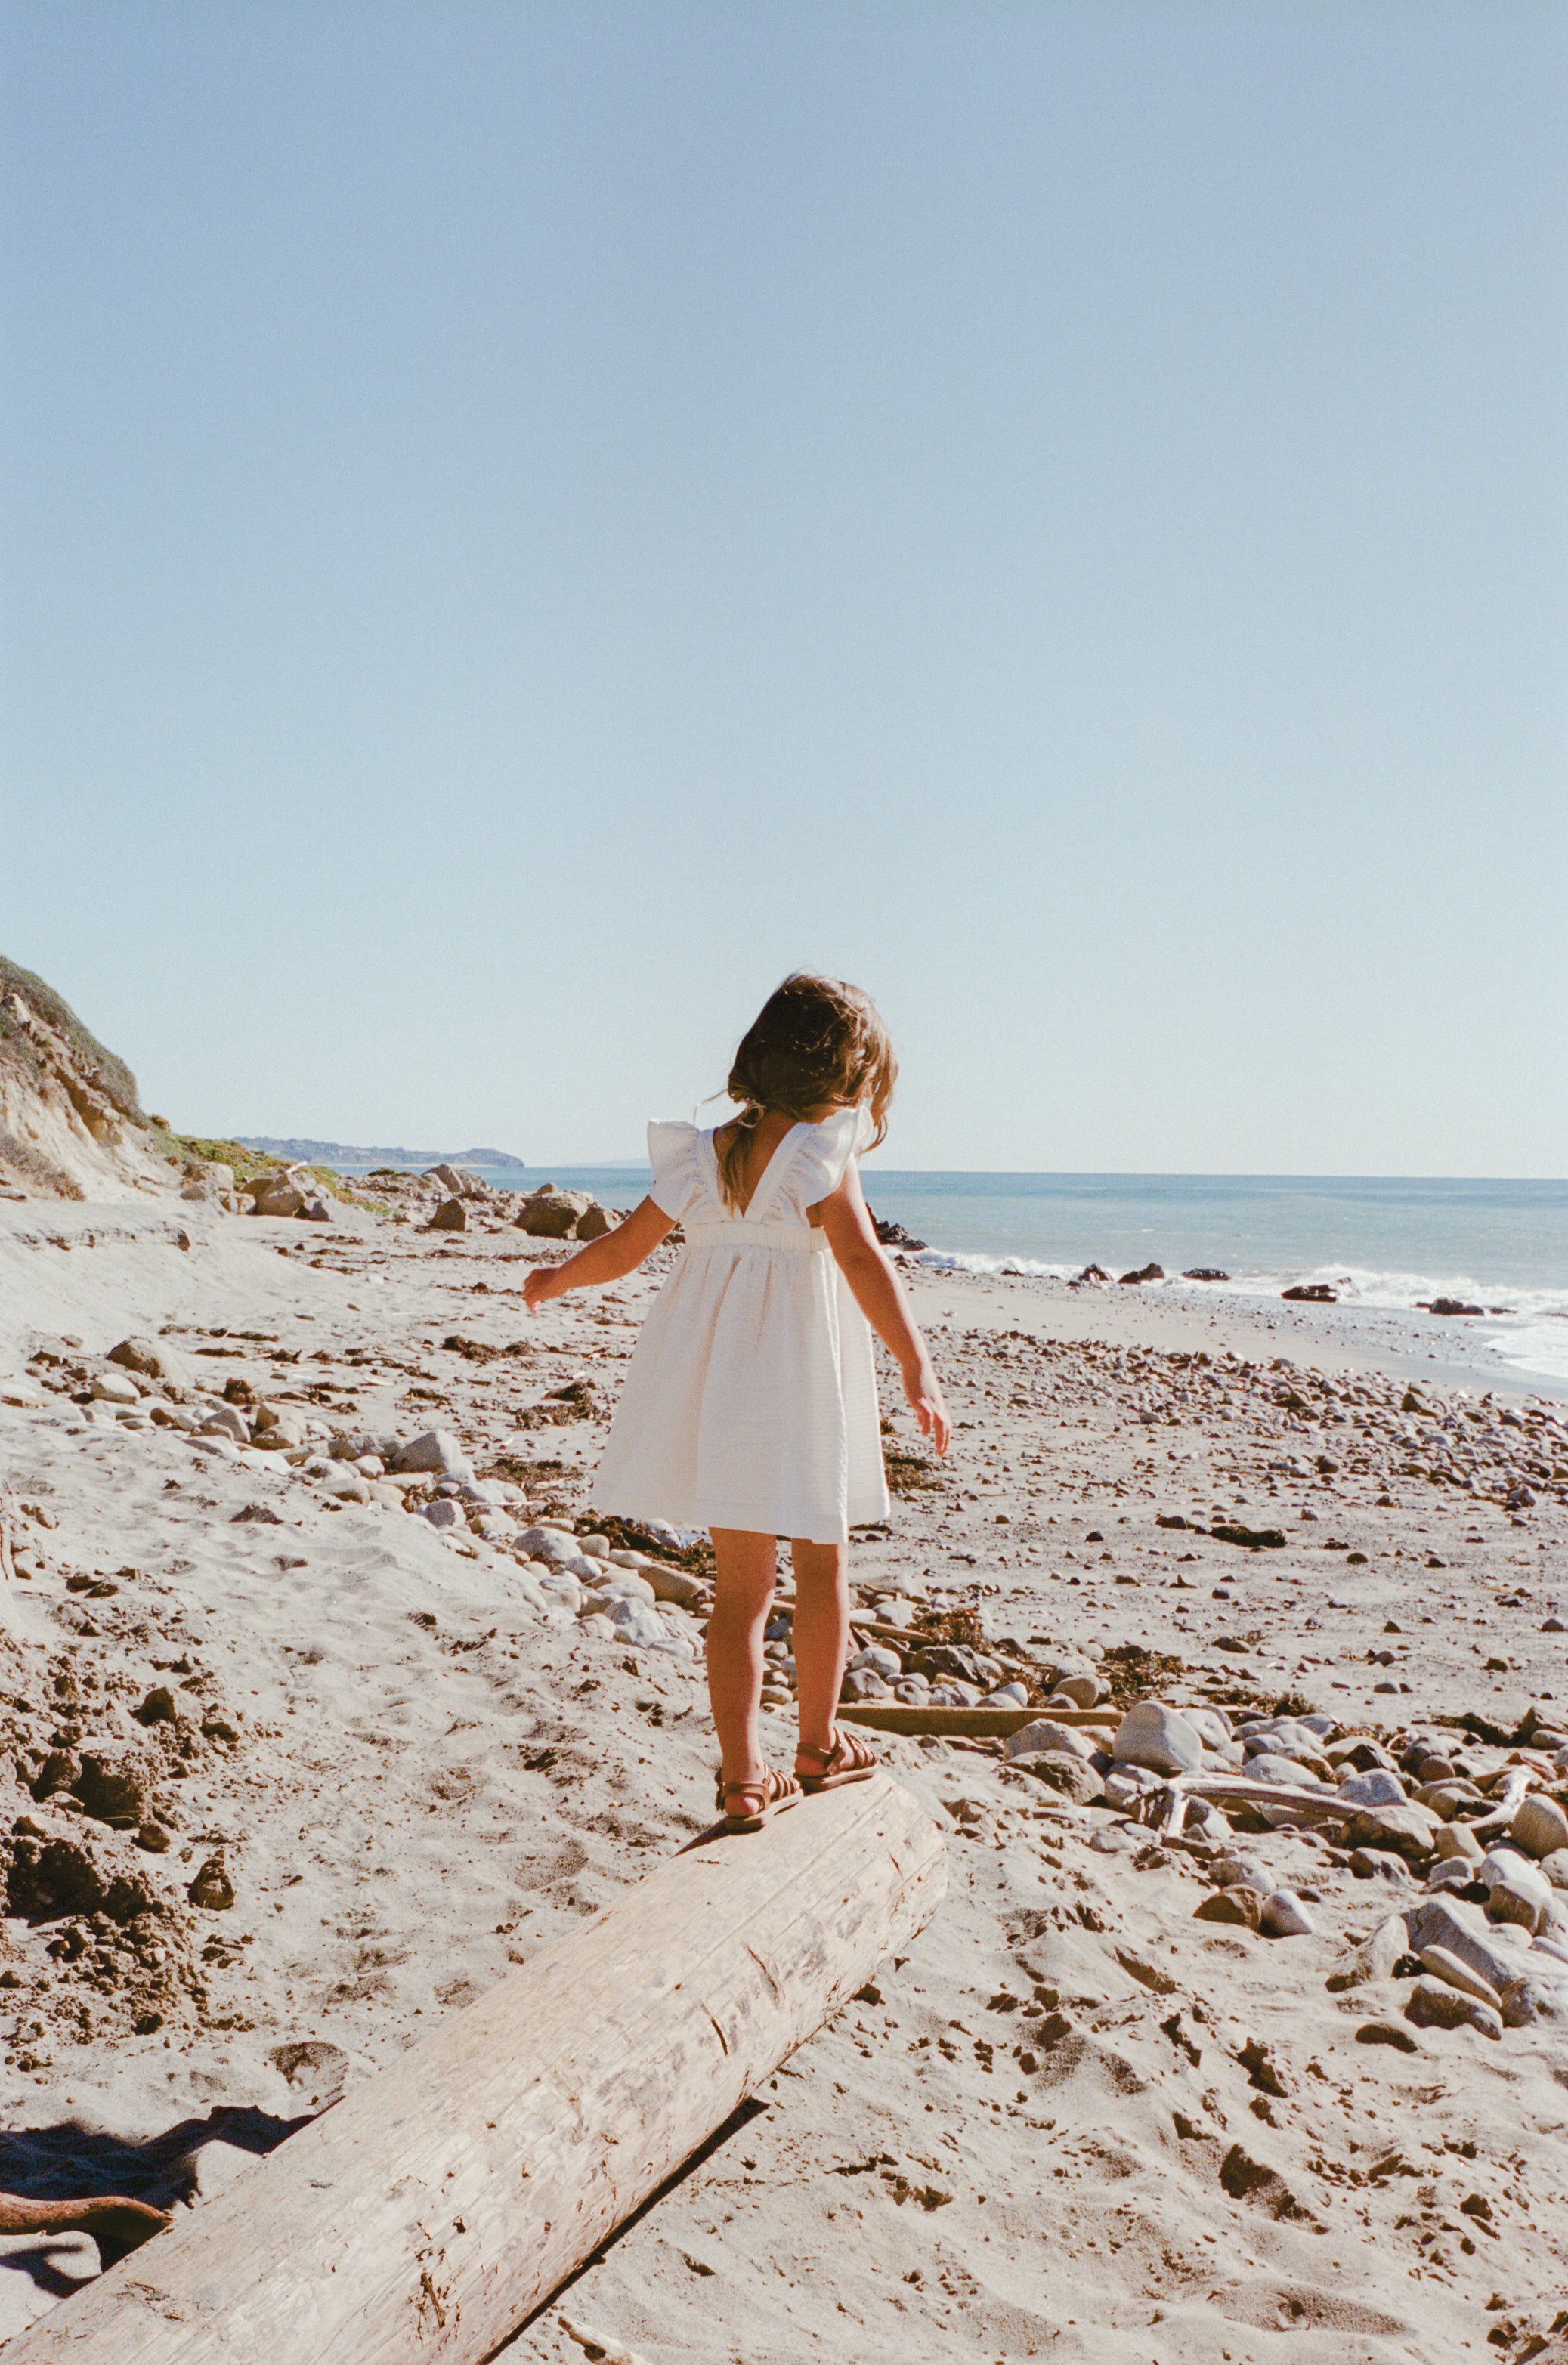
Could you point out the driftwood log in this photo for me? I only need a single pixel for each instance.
(432, 2210)
(888, 1716)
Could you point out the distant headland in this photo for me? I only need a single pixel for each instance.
(345, 1153)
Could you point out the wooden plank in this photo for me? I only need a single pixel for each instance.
(443, 2200)
(892, 1716)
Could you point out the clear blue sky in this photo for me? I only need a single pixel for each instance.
(522, 524)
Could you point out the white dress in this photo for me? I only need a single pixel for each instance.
(751, 1400)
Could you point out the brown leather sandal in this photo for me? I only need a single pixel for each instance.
(773, 1791)
(850, 1759)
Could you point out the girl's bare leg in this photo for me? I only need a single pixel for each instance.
(745, 1564)
(822, 1637)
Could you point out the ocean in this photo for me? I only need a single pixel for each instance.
(1381, 1241)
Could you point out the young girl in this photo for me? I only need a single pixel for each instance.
(750, 1407)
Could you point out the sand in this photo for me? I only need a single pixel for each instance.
(1076, 2121)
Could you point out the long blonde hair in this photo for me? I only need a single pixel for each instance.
(815, 1040)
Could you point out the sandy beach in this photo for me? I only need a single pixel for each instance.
(382, 1764)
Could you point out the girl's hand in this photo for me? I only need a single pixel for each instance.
(923, 1390)
(541, 1286)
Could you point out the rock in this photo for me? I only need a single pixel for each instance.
(118, 1780)
(1205, 1272)
(1160, 1738)
(1284, 1773)
(1211, 1725)
(1248, 2179)
(1375, 1959)
(1126, 1784)
(1311, 1292)
(1145, 1273)
(1240, 1908)
(226, 1420)
(551, 1214)
(1083, 1690)
(22, 1394)
(1459, 1929)
(1518, 1889)
(274, 1195)
(1008, 1696)
(1386, 2031)
(1432, 2004)
(1540, 1827)
(1447, 1968)
(636, 1623)
(1457, 1841)
(212, 1889)
(1284, 1916)
(548, 1544)
(279, 1429)
(1375, 1789)
(317, 1210)
(458, 1181)
(1407, 1831)
(1065, 1771)
(114, 1387)
(452, 1216)
(877, 1660)
(863, 1684)
(445, 1513)
(155, 1358)
(1447, 1305)
(436, 1449)
(76, 1875)
(1527, 1999)
(1031, 1739)
(1555, 1868)
(592, 1224)
(625, 1586)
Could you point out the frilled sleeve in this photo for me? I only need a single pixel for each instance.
(673, 1153)
(825, 1150)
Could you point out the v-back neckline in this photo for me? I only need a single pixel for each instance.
(763, 1179)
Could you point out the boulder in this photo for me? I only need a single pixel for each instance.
(458, 1181)
(1455, 1974)
(118, 1780)
(551, 1214)
(1459, 1842)
(1407, 1831)
(155, 1358)
(226, 1420)
(1284, 1773)
(593, 1223)
(1083, 1688)
(1145, 1273)
(550, 1545)
(1375, 1957)
(445, 1513)
(452, 1216)
(435, 1449)
(1527, 1999)
(1518, 1889)
(1375, 1789)
(274, 1195)
(1459, 1929)
(1240, 1909)
(116, 1388)
(1540, 1827)
(1160, 1738)
(1284, 1916)
(1043, 1735)
(1432, 2004)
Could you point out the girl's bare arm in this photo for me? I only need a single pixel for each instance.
(611, 1258)
(878, 1293)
